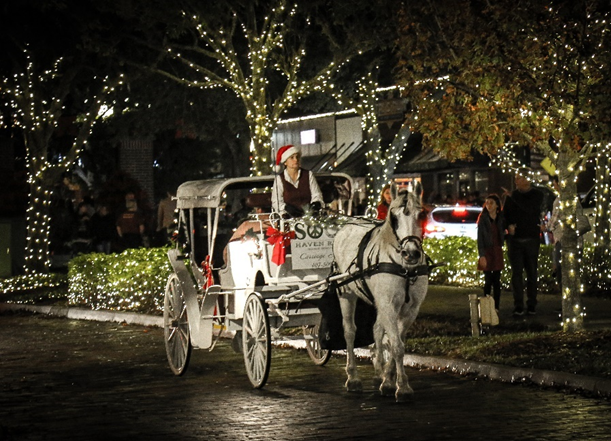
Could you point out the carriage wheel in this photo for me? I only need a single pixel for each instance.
(256, 341)
(176, 326)
(319, 355)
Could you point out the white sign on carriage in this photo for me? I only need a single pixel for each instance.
(312, 247)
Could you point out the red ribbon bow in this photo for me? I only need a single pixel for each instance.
(280, 241)
(207, 270)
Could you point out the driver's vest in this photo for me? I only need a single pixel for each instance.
(300, 195)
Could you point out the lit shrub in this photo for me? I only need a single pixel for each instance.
(459, 254)
(135, 279)
(131, 281)
(596, 269)
(31, 282)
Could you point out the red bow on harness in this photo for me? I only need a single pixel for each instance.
(280, 241)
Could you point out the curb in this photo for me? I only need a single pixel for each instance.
(508, 374)
(131, 318)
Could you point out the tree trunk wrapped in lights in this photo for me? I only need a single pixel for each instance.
(381, 162)
(572, 309)
(37, 259)
(38, 97)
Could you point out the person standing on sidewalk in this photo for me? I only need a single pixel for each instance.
(131, 224)
(490, 238)
(522, 210)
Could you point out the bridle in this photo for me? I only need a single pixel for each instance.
(363, 268)
(403, 245)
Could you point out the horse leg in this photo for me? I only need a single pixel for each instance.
(403, 390)
(394, 380)
(408, 315)
(348, 306)
(377, 355)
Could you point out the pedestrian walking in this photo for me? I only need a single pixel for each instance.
(165, 218)
(104, 230)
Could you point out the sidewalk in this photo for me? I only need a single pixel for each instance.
(441, 300)
(452, 301)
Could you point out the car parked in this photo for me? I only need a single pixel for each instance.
(452, 220)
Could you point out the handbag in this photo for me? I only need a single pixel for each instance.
(583, 224)
(487, 313)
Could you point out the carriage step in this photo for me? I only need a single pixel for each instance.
(212, 317)
(216, 290)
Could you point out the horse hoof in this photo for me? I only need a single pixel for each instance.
(354, 386)
(387, 391)
(405, 395)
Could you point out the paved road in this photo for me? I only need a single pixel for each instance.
(63, 379)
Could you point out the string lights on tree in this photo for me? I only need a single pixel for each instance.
(267, 54)
(381, 162)
(533, 76)
(37, 100)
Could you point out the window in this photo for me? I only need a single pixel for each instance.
(481, 181)
(309, 136)
(446, 184)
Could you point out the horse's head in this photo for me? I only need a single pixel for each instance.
(405, 216)
(406, 211)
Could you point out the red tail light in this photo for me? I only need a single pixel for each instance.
(460, 211)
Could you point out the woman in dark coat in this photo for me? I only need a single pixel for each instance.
(490, 238)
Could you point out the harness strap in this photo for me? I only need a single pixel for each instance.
(385, 267)
(364, 288)
(382, 267)
(398, 270)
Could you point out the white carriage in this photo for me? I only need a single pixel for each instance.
(228, 282)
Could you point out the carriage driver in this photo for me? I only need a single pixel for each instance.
(295, 188)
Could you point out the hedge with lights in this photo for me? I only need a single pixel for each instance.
(459, 254)
(596, 269)
(131, 281)
(32, 282)
(135, 279)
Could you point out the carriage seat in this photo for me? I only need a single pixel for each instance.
(260, 200)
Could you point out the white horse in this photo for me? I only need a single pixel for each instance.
(394, 278)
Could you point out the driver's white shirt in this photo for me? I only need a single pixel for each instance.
(278, 204)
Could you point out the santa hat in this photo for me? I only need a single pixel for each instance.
(283, 154)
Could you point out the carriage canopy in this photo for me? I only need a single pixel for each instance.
(209, 193)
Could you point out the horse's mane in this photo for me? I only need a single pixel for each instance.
(387, 234)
